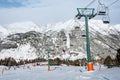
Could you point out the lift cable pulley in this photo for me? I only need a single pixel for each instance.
(78, 16)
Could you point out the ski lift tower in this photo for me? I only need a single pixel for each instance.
(87, 13)
(48, 51)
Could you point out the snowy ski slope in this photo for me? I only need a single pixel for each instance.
(60, 73)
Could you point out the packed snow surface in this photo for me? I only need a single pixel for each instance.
(59, 73)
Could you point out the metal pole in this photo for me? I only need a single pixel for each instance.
(82, 12)
(48, 61)
(87, 39)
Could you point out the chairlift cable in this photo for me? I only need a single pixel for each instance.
(113, 3)
(90, 3)
(99, 2)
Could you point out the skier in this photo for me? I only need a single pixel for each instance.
(98, 62)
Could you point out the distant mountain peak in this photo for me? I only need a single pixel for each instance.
(22, 27)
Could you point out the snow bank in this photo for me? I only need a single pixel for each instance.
(22, 52)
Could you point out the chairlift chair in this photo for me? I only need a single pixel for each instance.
(106, 19)
(101, 9)
(106, 22)
(83, 33)
(77, 27)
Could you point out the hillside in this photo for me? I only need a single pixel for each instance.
(65, 40)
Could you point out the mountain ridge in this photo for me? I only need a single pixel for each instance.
(61, 36)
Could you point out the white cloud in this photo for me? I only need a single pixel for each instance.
(44, 11)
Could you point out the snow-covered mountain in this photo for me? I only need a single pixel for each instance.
(66, 40)
(22, 27)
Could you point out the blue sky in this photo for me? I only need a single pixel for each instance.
(10, 4)
(49, 11)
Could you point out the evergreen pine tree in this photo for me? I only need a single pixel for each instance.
(118, 57)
